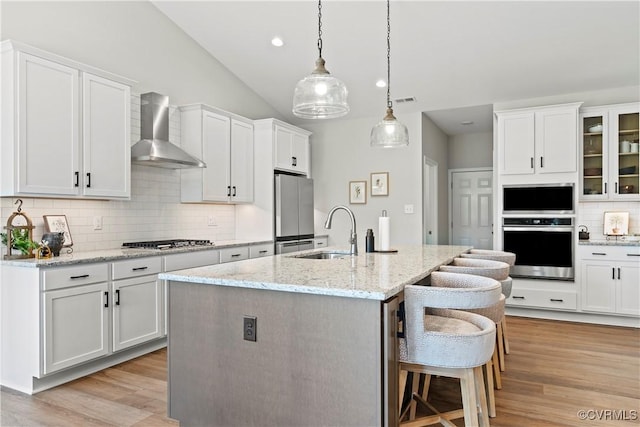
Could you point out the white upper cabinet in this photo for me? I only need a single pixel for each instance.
(71, 127)
(291, 149)
(540, 140)
(609, 152)
(225, 143)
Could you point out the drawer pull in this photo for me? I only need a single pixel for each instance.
(106, 299)
(82, 276)
(235, 255)
(263, 251)
(117, 297)
(139, 268)
(598, 253)
(517, 297)
(633, 254)
(556, 300)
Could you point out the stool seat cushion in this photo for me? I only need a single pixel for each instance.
(481, 267)
(506, 286)
(508, 257)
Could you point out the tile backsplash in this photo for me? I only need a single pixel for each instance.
(591, 214)
(153, 213)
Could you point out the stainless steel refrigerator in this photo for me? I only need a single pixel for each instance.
(293, 213)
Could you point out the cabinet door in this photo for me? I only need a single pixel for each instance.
(516, 143)
(48, 127)
(628, 292)
(216, 134)
(624, 158)
(300, 152)
(106, 138)
(594, 152)
(241, 161)
(76, 325)
(556, 140)
(137, 305)
(598, 286)
(282, 147)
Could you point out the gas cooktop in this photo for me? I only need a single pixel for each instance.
(167, 244)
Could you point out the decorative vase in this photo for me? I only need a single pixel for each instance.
(55, 242)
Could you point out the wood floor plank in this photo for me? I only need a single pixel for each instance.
(554, 370)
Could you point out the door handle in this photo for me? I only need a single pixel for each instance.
(541, 162)
(532, 163)
(234, 191)
(618, 273)
(228, 190)
(88, 179)
(613, 273)
(106, 299)
(77, 183)
(294, 161)
(117, 297)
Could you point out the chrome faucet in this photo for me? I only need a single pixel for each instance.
(353, 239)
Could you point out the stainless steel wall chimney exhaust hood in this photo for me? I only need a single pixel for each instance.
(154, 148)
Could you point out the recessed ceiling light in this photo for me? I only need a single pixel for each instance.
(277, 42)
(466, 123)
(381, 83)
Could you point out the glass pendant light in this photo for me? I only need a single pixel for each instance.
(389, 132)
(320, 95)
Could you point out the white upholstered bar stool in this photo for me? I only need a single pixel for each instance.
(499, 271)
(503, 256)
(450, 343)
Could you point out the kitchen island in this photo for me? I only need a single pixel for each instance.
(325, 334)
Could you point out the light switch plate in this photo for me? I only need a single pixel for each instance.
(97, 223)
(250, 332)
(408, 209)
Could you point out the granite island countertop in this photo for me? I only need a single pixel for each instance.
(107, 255)
(376, 276)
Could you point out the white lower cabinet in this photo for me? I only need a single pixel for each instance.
(76, 325)
(610, 279)
(137, 311)
(262, 250)
(545, 294)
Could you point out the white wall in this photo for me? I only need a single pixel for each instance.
(133, 39)
(435, 147)
(340, 153)
(471, 150)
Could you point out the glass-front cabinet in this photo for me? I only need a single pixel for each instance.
(609, 152)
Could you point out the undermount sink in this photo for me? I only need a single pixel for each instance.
(323, 255)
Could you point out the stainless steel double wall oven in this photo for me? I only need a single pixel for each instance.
(538, 226)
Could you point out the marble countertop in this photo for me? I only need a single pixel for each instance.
(612, 242)
(376, 276)
(119, 254)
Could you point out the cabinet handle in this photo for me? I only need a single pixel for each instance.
(556, 300)
(541, 162)
(139, 268)
(616, 188)
(618, 273)
(234, 191)
(106, 299)
(605, 188)
(613, 273)
(235, 255)
(598, 253)
(262, 252)
(633, 254)
(77, 174)
(117, 297)
(532, 163)
(294, 161)
(228, 190)
(88, 179)
(83, 276)
(517, 297)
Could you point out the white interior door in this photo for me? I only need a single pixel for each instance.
(471, 208)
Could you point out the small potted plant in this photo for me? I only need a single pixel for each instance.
(20, 241)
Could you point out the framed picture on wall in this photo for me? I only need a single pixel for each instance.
(616, 223)
(380, 184)
(56, 224)
(358, 192)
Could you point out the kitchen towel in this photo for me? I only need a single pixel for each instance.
(383, 231)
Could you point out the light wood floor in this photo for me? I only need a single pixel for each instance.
(554, 370)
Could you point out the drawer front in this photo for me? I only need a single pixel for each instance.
(618, 253)
(65, 277)
(191, 260)
(234, 254)
(137, 267)
(320, 242)
(257, 251)
(557, 300)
